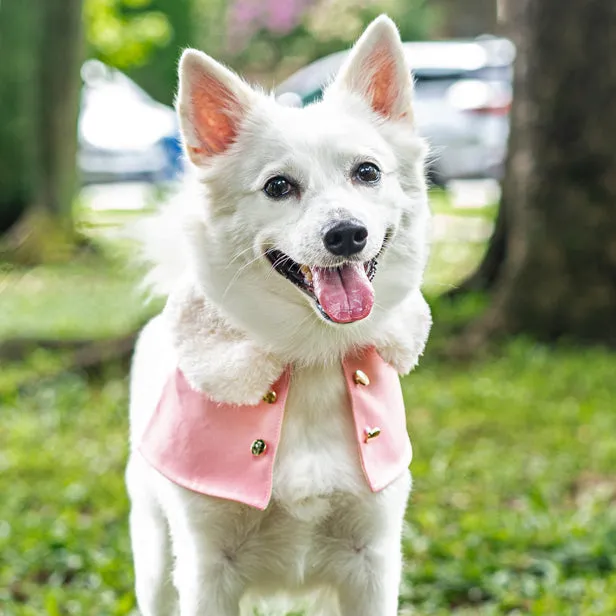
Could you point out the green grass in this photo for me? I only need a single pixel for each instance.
(513, 509)
(64, 546)
(515, 482)
(89, 298)
(442, 203)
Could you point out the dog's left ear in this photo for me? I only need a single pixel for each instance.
(377, 71)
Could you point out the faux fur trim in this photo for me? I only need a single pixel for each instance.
(223, 362)
(215, 358)
(406, 338)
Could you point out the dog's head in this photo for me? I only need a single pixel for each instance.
(313, 228)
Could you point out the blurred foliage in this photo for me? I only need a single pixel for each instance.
(144, 38)
(123, 33)
(158, 75)
(265, 39)
(210, 25)
(324, 28)
(40, 45)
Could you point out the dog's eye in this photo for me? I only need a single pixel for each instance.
(278, 187)
(368, 173)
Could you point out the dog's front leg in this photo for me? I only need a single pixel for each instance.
(208, 573)
(204, 595)
(361, 552)
(208, 583)
(151, 546)
(371, 588)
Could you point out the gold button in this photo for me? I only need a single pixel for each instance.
(371, 433)
(270, 397)
(361, 378)
(258, 447)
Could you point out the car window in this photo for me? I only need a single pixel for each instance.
(432, 78)
(421, 79)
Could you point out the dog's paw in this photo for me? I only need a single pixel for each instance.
(238, 374)
(402, 358)
(404, 344)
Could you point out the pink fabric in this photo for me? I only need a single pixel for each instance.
(206, 446)
(381, 405)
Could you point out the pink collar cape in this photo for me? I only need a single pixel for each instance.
(228, 451)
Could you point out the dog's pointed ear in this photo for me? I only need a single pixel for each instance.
(376, 70)
(212, 102)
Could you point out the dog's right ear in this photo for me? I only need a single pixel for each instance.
(212, 102)
(376, 70)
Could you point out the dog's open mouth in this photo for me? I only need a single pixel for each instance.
(343, 294)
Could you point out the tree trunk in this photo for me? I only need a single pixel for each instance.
(559, 275)
(39, 104)
(59, 64)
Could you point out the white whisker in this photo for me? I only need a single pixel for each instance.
(238, 255)
(238, 274)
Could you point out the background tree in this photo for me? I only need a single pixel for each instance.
(558, 277)
(39, 97)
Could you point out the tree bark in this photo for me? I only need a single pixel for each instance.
(60, 86)
(559, 275)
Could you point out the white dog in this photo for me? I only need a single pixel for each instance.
(269, 448)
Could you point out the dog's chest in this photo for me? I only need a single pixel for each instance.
(317, 454)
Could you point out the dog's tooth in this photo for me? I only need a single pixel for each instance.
(307, 273)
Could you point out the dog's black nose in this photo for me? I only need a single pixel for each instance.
(346, 238)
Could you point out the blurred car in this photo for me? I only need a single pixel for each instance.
(462, 101)
(124, 134)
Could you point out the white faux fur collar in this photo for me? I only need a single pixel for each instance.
(222, 361)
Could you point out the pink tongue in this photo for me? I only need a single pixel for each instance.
(345, 293)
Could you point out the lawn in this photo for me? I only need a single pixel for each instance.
(87, 298)
(514, 463)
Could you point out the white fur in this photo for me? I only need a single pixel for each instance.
(232, 324)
